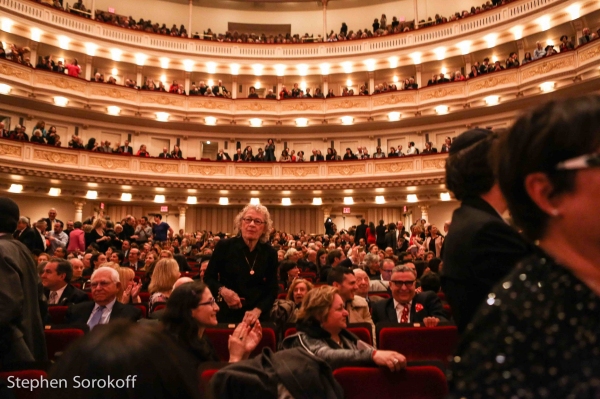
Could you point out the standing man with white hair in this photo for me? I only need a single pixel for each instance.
(242, 272)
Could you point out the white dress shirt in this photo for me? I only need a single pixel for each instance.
(400, 308)
(58, 295)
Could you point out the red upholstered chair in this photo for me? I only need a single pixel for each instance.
(442, 296)
(57, 314)
(205, 376)
(283, 295)
(25, 393)
(422, 382)
(289, 331)
(219, 337)
(311, 276)
(448, 310)
(363, 331)
(58, 340)
(160, 306)
(142, 308)
(383, 294)
(145, 297)
(420, 343)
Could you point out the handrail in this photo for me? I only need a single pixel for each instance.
(77, 25)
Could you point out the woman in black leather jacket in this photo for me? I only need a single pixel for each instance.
(322, 331)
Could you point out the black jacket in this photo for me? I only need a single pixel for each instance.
(297, 371)
(380, 233)
(229, 267)
(390, 240)
(78, 314)
(317, 341)
(361, 232)
(69, 296)
(431, 307)
(30, 238)
(479, 250)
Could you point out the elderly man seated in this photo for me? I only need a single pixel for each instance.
(362, 287)
(105, 307)
(383, 284)
(406, 306)
(56, 279)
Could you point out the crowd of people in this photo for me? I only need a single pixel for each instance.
(524, 298)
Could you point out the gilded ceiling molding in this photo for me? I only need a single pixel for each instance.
(158, 167)
(56, 157)
(11, 150)
(107, 163)
(394, 167)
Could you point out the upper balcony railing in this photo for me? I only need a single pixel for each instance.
(77, 26)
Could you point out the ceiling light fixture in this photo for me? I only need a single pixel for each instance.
(445, 197)
(442, 109)
(91, 194)
(162, 116)
(210, 120)
(5, 89)
(15, 188)
(492, 100)
(286, 201)
(113, 110)
(54, 192)
(412, 198)
(61, 101)
(347, 66)
(256, 122)
(317, 201)
(380, 199)
(192, 200)
(348, 200)
(223, 201)
(394, 116)
(301, 122)
(254, 201)
(347, 120)
(159, 199)
(126, 197)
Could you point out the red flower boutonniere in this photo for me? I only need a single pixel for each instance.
(418, 307)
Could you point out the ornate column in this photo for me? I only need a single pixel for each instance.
(88, 67)
(187, 83)
(325, 88)
(415, 3)
(279, 85)
(425, 212)
(191, 10)
(419, 69)
(521, 47)
(234, 86)
(33, 46)
(371, 82)
(78, 210)
(182, 210)
(138, 76)
(325, 19)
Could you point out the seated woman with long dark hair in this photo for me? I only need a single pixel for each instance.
(190, 309)
(322, 331)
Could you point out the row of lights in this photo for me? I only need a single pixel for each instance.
(211, 67)
(160, 198)
(300, 122)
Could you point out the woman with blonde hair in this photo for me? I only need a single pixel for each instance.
(129, 291)
(98, 235)
(164, 276)
(296, 293)
(322, 331)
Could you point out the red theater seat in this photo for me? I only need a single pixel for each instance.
(282, 295)
(204, 382)
(142, 308)
(219, 337)
(24, 393)
(420, 343)
(57, 341)
(362, 331)
(145, 296)
(57, 314)
(422, 382)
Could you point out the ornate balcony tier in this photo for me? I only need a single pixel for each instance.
(36, 89)
(28, 14)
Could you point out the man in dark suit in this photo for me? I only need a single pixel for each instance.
(223, 156)
(361, 232)
(133, 259)
(405, 306)
(316, 156)
(51, 220)
(105, 307)
(23, 304)
(480, 248)
(126, 148)
(30, 238)
(56, 277)
(390, 237)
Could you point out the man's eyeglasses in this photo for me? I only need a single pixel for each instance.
(580, 162)
(257, 222)
(400, 283)
(100, 283)
(211, 302)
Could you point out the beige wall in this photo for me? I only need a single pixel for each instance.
(36, 208)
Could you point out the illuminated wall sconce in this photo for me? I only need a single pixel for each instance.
(393, 62)
(317, 201)
(442, 109)
(257, 85)
(192, 200)
(286, 201)
(258, 69)
(517, 32)
(188, 65)
(210, 82)
(256, 122)
(394, 116)
(416, 57)
(347, 120)
(302, 69)
(113, 110)
(380, 199)
(116, 54)
(347, 66)
(54, 192)
(140, 59)
(464, 47)
(36, 34)
(370, 64)
(574, 11)
(235, 69)
(492, 100)
(162, 116)
(395, 79)
(349, 83)
(114, 72)
(348, 200)
(279, 69)
(126, 197)
(91, 194)
(211, 67)
(490, 39)
(164, 62)
(412, 198)
(547, 86)
(6, 25)
(5, 89)
(15, 188)
(301, 122)
(324, 69)
(210, 120)
(544, 23)
(254, 201)
(440, 53)
(445, 197)
(63, 42)
(61, 101)
(159, 199)
(223, 201)
(90, 49)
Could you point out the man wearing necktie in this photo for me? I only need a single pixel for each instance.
(105, 307)
(56, 277)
